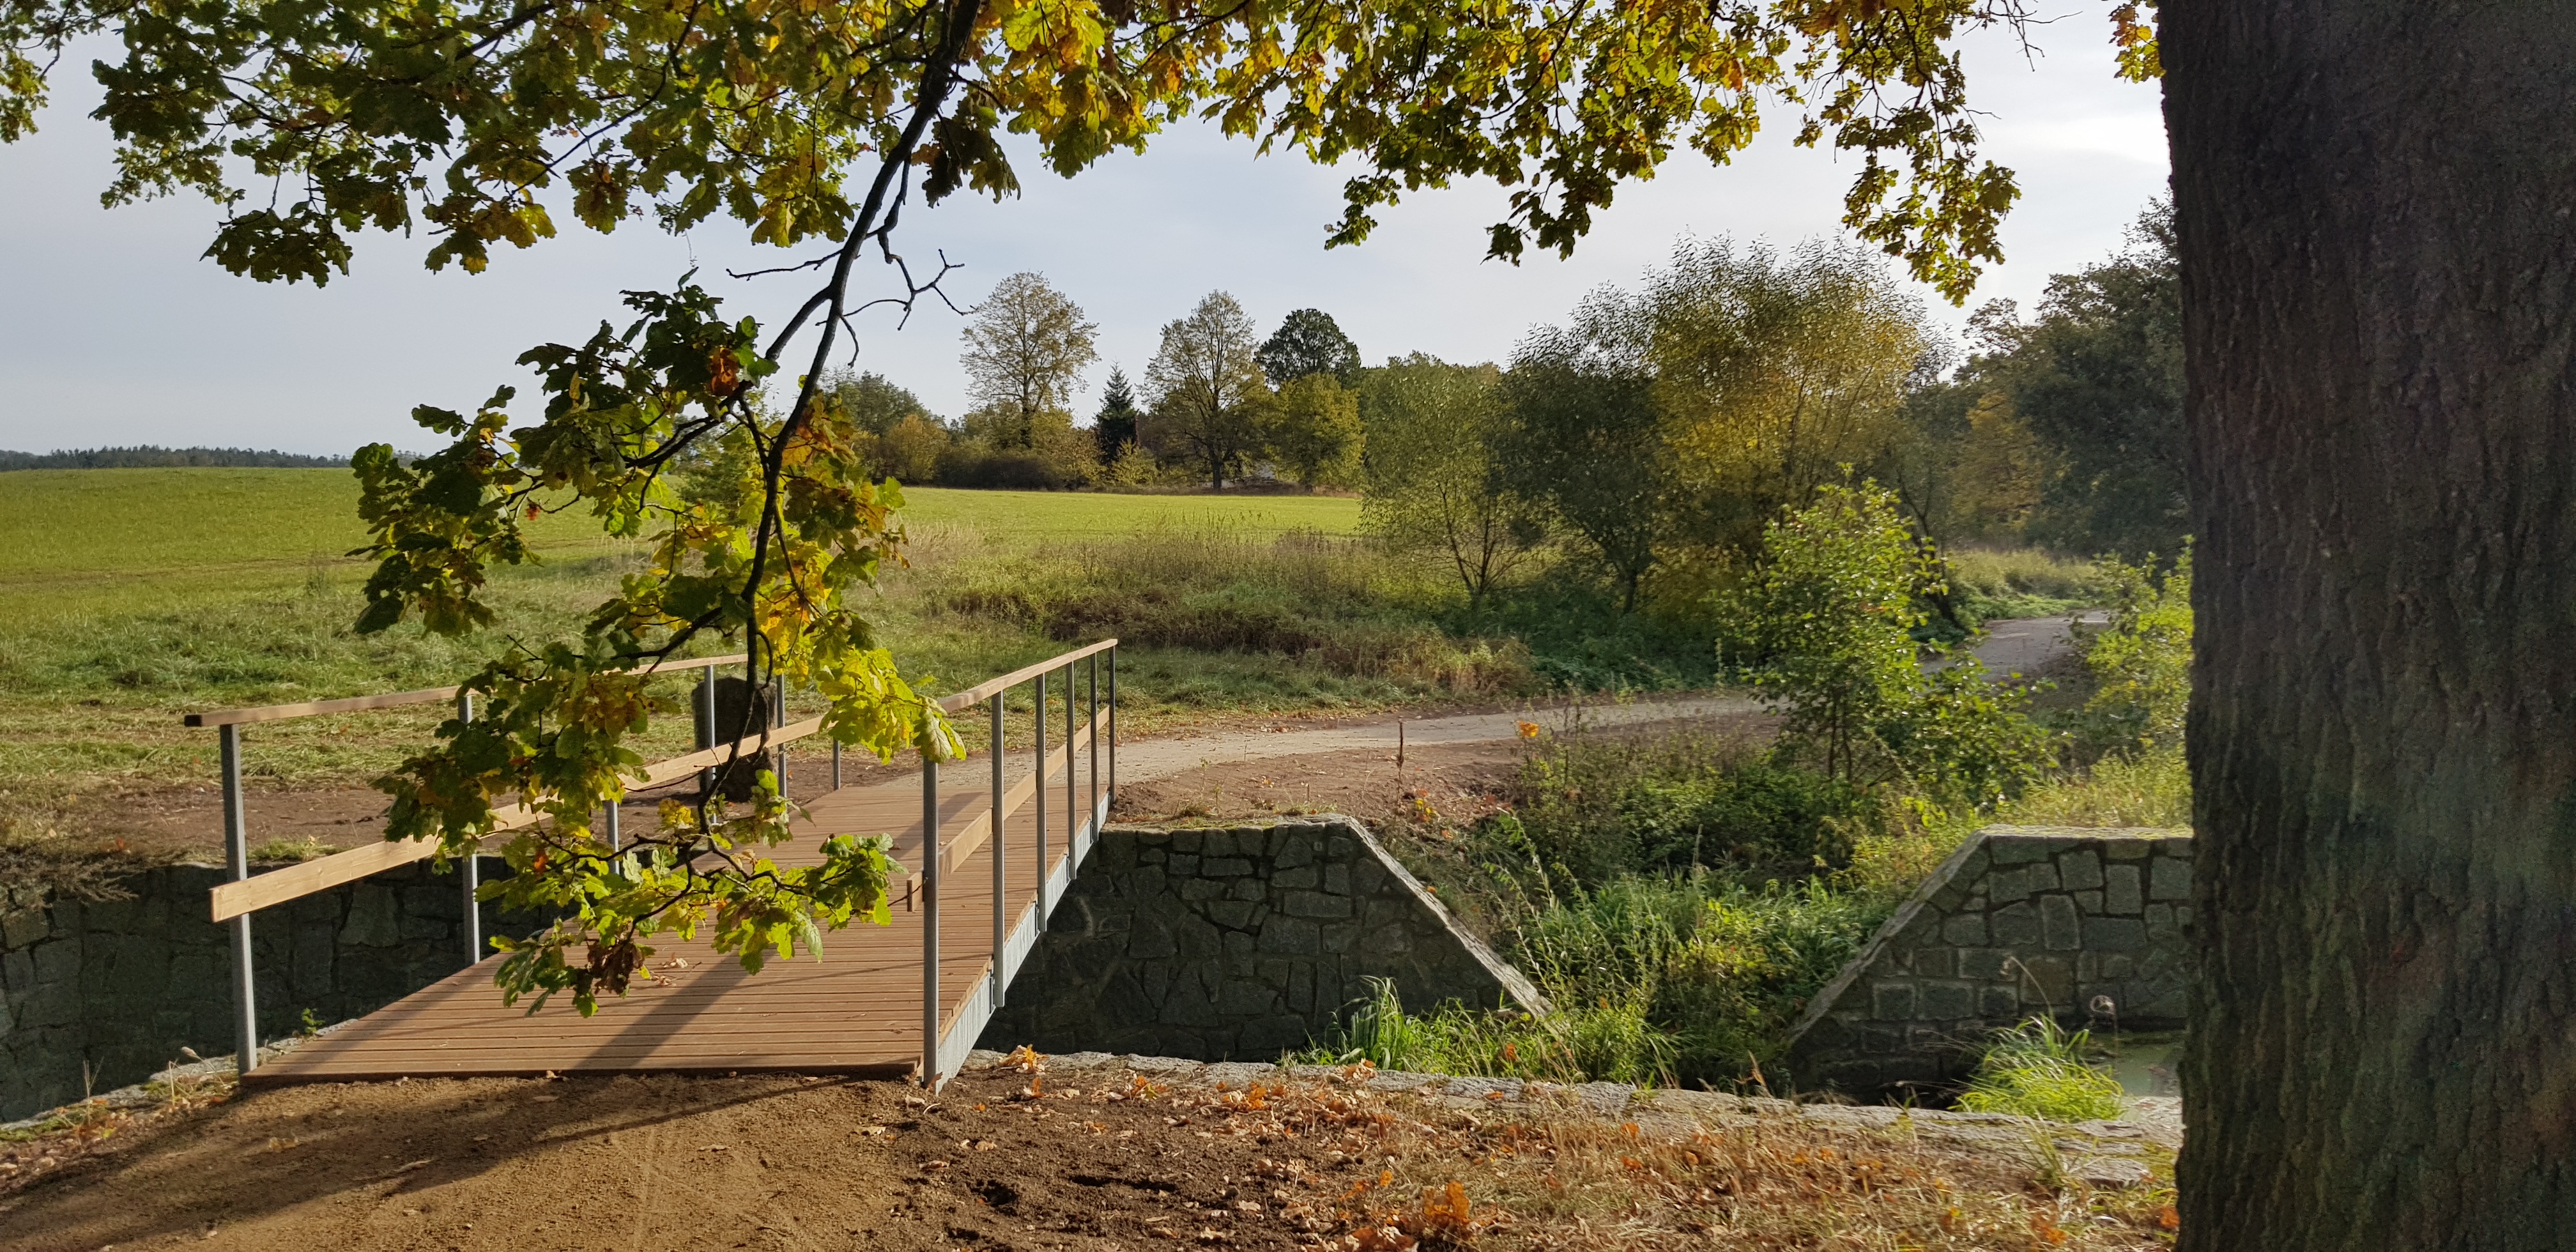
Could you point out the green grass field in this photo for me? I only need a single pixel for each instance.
(82, 542)
(128, 597)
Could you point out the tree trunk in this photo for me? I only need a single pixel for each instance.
(2379, 293)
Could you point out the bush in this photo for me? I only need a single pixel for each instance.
(2038, 1069)
(967, 464)
(1827, 619)
(2142, 660)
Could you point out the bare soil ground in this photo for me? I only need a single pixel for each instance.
(1090, 1160)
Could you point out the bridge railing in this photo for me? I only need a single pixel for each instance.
(946, 1035)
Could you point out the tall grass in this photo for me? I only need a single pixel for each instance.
(2040, 1069)
(1989, 584)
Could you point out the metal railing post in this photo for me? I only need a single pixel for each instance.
(1072, 819)
(616, 839)
(1037, 794)
(929, 922)
(707, 706)
(836, 765)
(1001, 883)
(470, 870)
(237, 854)
(1113, 727)
(1091, 812)
(778, 718)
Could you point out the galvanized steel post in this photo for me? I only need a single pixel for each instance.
(1113, 727)
(929, 922)
(1001, 922)
(1072, 819)
(1092, 810)
(237, 855)
(469, 869)
(1037, 793)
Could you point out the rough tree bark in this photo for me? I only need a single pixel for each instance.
(2379, 285)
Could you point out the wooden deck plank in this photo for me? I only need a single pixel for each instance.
(855, 1007)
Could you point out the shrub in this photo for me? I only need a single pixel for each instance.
(1827, 620)
(2142, 660)
(2038, 1069)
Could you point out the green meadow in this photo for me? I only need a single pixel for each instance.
(129, 597)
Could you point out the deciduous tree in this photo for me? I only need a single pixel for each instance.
(1209, 398)
(1026, 348)
(2378, 292)
(1433, 483)
(1584, 437)
(1313, 431)
(1774, 372)
(1309, 341)
(2098, 378)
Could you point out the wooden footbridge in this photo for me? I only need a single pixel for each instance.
(905, 999)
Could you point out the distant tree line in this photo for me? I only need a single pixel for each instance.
(148, 456)
(1656, 433)
(1219, 405)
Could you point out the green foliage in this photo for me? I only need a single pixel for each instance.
(1591, 809)
(1583, 440)
(2039, 1069)
(873, 403)
(1114, 427)
(2150, 786)
(759, 113)
(2142, 660)
(1209, 398)
(1432, 485)
(1828, 620)
(1577, 1043)
(1721, 968)
(1987, 584)
(1309, 342)
(1314, 431)
(2097, 379)
(1774, 374)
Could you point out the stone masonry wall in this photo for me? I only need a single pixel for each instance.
(124, 984)
(2021, 920)
(1238, 944)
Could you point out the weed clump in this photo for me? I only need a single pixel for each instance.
(2039, 1069)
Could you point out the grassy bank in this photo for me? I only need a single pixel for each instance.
(1679, 897)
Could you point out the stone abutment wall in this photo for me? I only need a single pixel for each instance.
(2087, 926)
(1239, 943)
(121, 985)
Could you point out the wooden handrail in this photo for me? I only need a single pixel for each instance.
(426, 695)
(991, 687)
(249, 895)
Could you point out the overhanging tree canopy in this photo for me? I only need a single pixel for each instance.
(817, 124)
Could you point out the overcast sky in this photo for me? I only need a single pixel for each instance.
(113, 331)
